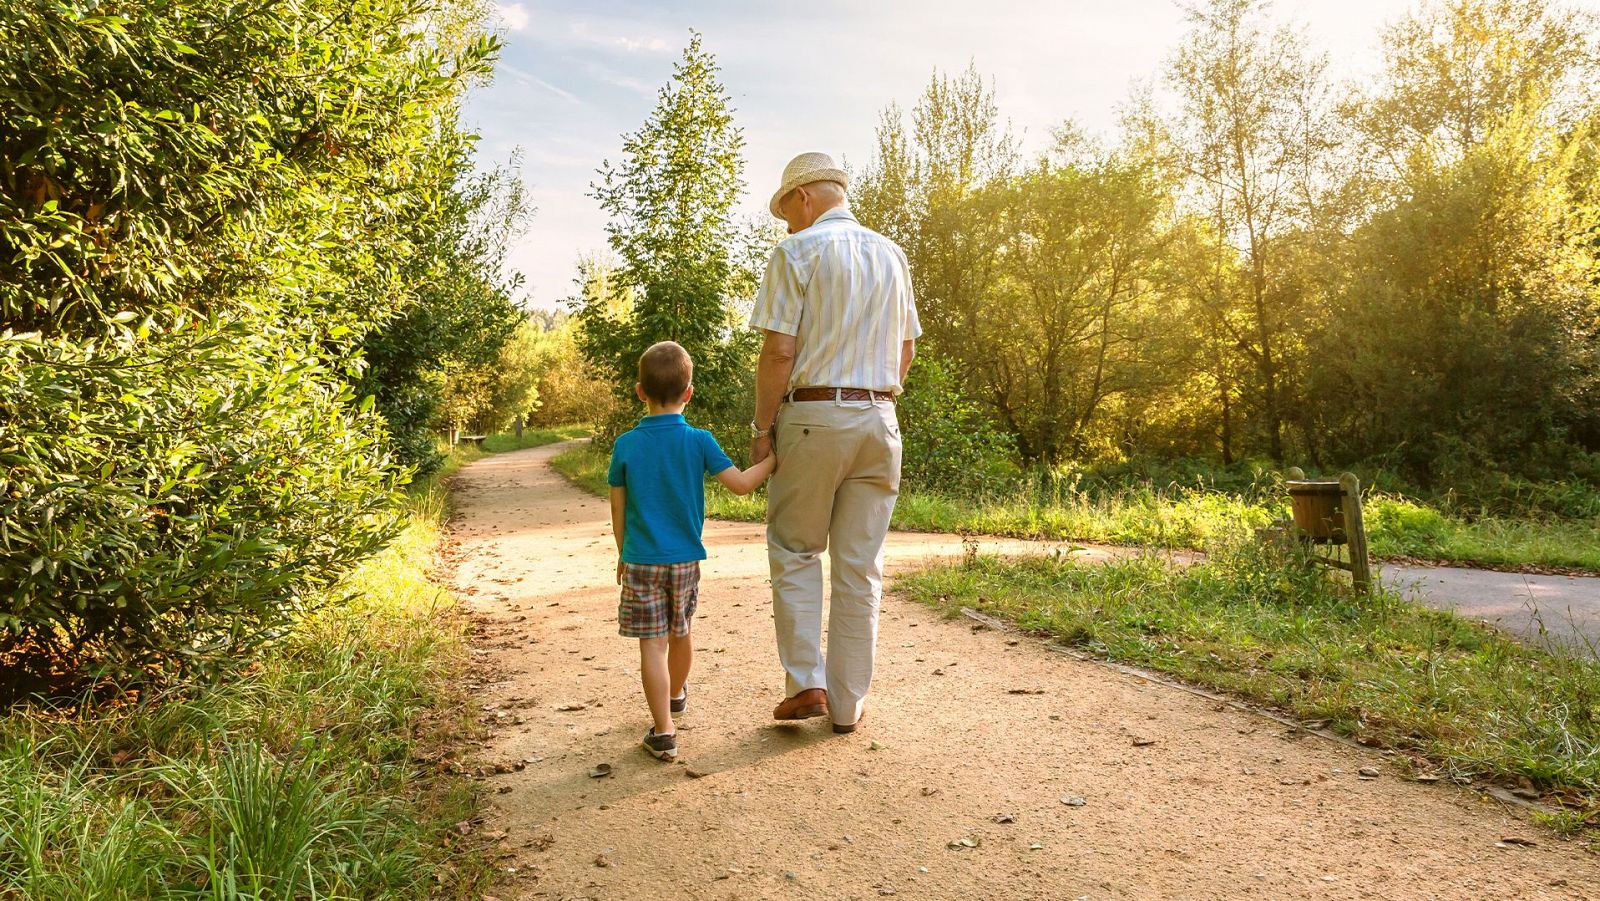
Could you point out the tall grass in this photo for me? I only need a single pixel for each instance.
(1249, 620)
(311, 775)
(1188, 516)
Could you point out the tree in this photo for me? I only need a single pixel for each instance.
(927, 195)
(1465, 317)
(435, 358)
(204, 208)
(671, 202)
(1250, 138)
(1063, 330)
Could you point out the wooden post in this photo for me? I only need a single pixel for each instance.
(1355, 533)
(519, 428)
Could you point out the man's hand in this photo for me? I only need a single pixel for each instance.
(760, 449)
(619, 570)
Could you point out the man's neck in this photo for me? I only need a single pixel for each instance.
(660, 410)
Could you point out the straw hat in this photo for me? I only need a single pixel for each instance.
(805, 169)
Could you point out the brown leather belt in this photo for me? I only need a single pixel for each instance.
(839, 393)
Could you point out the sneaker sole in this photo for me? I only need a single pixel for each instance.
(670, 754)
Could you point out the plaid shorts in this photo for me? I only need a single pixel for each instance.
(658, 598)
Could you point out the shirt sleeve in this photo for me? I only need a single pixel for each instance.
(908, 303)
(779, 302)
(617, 476)
(715, 460)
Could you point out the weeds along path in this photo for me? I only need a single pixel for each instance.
(987, 769)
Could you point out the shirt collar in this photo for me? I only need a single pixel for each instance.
(838, 212)
(661, 419)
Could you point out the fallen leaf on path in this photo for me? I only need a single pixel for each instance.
(875, 746)
(1143, 742)
(1517, 840)
(600, 770)
(962, 843)
(565, 708)
(1073, 800)
(1024, 691)
(693, 773)
(1004, 818)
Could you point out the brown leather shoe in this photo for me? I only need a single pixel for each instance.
(803, 706)
(848, 728)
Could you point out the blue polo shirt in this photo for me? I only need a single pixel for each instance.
(663, 462)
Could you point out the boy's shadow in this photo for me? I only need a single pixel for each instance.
(634, 772)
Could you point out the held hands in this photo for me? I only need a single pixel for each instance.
(760, 449)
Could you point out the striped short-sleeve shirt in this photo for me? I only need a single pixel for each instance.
(844, 292)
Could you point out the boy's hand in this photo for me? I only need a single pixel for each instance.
(760, 449)
(619, 570)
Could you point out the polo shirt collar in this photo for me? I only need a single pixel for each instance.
(661, 419)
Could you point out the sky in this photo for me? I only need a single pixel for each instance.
(575, 76)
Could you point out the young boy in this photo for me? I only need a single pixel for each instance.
(658, 507)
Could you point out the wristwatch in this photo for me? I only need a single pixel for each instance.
(759, 432)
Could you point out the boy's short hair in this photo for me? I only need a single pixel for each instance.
(665, 371)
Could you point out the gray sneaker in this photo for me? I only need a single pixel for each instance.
(679, 705)
(661, 747)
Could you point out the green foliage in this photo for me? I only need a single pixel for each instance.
(218, 792)
(205, 208)
(439, 362)
(1268, 627)
(670, 201)
(499, 444)
(950, 445)
(568, 390)
(1404, 281)
(152, 527)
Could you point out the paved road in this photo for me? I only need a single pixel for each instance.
(1560, 610)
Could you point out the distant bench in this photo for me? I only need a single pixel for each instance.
(477, 440)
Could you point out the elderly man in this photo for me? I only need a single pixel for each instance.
(841, 325)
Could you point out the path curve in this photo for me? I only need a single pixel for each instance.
(1221, 805)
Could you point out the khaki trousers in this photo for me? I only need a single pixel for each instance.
(837, 480)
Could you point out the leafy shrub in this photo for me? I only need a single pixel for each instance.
(950, 445)
(170, 496)
(1404, 521)
(204, 209)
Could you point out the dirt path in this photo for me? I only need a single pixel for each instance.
(1221, 805)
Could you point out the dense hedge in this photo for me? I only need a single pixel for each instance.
(205, 207)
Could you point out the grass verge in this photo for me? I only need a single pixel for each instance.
(1188, 518)
(316, 774)
(506, 441)
(1454, 696)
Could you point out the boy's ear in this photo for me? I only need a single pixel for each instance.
(638, 390)
(688, 393)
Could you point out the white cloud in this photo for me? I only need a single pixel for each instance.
(513, 15)
(580, 30)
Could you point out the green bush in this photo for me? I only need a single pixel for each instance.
(950, 445)
(204, 209)
(170, 496)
